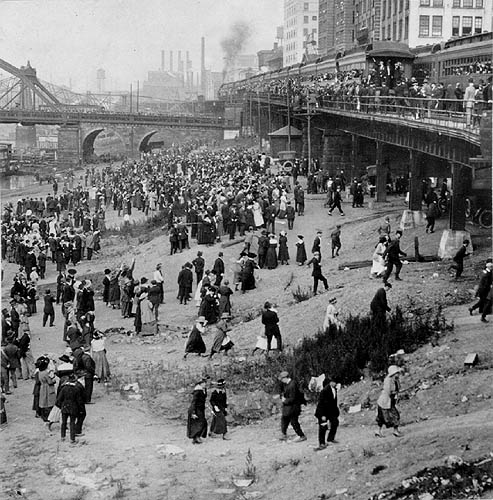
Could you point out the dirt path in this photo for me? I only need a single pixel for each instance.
(121, 456)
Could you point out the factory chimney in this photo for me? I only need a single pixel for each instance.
(202, 66)
(171, 61)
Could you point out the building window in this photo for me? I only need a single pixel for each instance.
(305, 31)
(314, 18)
(436, 26)
(455, 25)
(384, 10)
(479, 4)
(424, 3)
(437, 3)
(406, 28)
(401, 5)
(466, 25)
(394, 31)
(467, 4)
(389, 9)
(383, 33)
(306, 6)
(424, 25)
(456, 3)
(400, 29)
(305, 19)
(478, 25)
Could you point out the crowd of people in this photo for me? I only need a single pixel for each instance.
(207, 196)
(383, 89)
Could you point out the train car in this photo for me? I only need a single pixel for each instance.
(456, 60)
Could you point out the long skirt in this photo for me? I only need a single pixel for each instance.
(102, 370)
(388, 417)
(196, 427)
(195, 343)
(218, 424)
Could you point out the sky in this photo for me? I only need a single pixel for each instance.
(68, 40)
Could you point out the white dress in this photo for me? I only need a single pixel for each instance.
(378, 266)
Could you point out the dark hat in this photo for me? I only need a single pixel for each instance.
(387, 284)
(300, 236)
(252, 255)
(220, 383)
(65, 359)
(47, 291)
(399, 231)
(72, 272)
(199, 253)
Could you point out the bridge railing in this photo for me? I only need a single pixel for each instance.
(452, 113)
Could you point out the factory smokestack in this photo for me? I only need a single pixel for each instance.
(162, 60)
(202, 66)
(171, 61)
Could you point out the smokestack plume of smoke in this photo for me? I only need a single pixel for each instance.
(235, 42)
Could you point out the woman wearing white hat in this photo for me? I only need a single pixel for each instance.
(387, 413)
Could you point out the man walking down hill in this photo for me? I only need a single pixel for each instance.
(327, 412)
(392, 255)
(292, 399)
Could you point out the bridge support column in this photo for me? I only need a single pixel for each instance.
(452, 238)
(381, 177)
(25, 137)
(414, 216)
(69, 146)
(336, 152)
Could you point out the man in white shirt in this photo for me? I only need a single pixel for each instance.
(159, 278)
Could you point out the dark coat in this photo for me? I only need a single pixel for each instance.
(393, 251)
(379, 303)
(293, 399)
(317, 268)
(327, 404)
(71, 398)
(218, 266)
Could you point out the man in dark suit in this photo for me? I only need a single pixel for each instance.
(219, 269)
(327, 412)
(317, 244)
(317, 273)
(292, 399)
(270, 320)
(392, 255)
(459, 259)
(379, 305)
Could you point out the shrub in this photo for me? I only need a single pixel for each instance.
(301, 294)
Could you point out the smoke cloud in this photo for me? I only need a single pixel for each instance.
(235, 42)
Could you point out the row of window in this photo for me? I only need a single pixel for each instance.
(306, 19)
(466, 4)
(387, 7)
(291, 46)
(466, 25)
(437, 22)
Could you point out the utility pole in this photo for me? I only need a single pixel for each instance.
(130, 98)
(288, 102)
(138, 92)
(309, 138)
(259, 122)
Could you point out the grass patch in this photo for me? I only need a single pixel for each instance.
(301, 294)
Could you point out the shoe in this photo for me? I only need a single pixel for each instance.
(397, 434)
(333, 441)
(226, 438)
(484, 320)
(8, 392)
(320, 447)
(398, 279)
(330, 213)
(299, 439)
(470, 311)
(283, 437)
(79, 434)
(378, 434)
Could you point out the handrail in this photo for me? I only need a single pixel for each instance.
(452, 113)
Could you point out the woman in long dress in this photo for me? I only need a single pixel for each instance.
(300, 251)
(271, 255)
(387, 413)
(378, 265)
(225, 293)
(196, 422)
(147, 315)
(283, 248)
(221, 341)
(218, 401)
(47, 393)
(195, 343)
(98, 354)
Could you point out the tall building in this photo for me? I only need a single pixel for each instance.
(420, 22)
(336, 31)
(300, 30)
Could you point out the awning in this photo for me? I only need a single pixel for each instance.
(389, 49)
